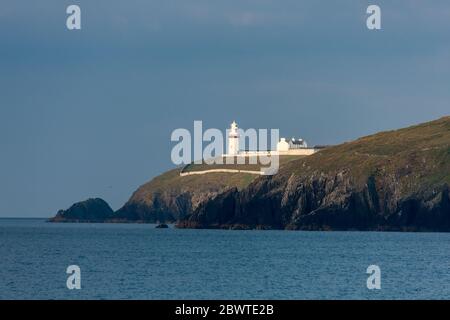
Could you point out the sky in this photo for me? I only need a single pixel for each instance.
(89, 113)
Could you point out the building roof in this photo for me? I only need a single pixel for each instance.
(300, 141)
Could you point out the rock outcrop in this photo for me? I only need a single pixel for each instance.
(91, 210)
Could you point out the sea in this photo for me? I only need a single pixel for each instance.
(139, 261)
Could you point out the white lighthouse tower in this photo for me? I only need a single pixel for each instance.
(233, 139)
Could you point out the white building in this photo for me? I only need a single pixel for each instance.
(282, 145)
(233, 139)
(293, 147)
(297, 144)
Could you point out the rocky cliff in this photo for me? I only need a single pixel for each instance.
(170, 197)
(396, 180)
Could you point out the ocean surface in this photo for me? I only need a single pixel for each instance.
(137, 261)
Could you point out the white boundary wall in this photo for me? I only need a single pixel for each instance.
(293, 152)
(191, 173)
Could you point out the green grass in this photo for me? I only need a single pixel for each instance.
(418, 155)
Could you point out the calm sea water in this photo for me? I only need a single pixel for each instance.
(129, 261)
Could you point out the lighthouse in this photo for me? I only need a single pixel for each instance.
(233, 139)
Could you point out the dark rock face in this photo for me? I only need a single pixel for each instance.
(163, 207)
(214, 213)
(162, 226)
(91, 210)
(324, 203)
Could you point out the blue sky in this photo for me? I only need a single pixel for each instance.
(89, 113)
